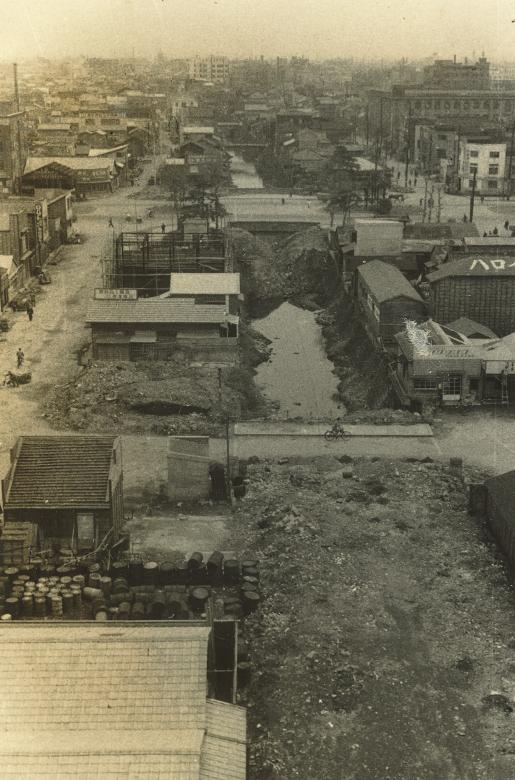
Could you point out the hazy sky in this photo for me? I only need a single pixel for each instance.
(315, 28)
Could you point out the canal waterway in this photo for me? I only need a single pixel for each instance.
(298, 376)
(243, 174)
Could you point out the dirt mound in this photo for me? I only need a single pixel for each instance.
(301, 264)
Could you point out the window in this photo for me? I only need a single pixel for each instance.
(473, 168)
(208, 300)
(451, 385)
(493, 170)
(442, 137)
(471, 183)
(492, 185)
(429, 384)
(474, 153)
(495, 155)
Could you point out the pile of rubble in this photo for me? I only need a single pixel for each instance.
(386, 628)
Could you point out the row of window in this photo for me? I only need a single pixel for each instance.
(493, 170)
(492, 184)
(495, 155)
(465, 104)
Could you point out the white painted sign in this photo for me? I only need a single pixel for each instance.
(122, 294)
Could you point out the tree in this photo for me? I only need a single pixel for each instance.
(341, 176)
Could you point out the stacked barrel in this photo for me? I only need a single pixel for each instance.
(132, 590)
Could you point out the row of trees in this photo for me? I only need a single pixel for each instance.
(199, 192)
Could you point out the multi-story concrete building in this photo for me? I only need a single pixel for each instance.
(215, 69)
(487, 162)
(13, 153)
(449, 74)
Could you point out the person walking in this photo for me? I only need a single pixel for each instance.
(110, 223)
(33, 299)
(495, 232)
(163, 227)
(20, 357)
(30, 312)
(507, 224)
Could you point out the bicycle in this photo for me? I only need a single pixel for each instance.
(333, 434)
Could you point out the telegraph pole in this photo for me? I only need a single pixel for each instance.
(508, 180)
(472, 197)
(17, 180)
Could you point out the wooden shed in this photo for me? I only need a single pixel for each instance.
(71, 487)
(386, 300)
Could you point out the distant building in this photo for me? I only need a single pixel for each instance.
(487, 161)
(214, 69)
(13, 152)
(450, 74)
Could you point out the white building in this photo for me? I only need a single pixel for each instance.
(487, 161)
(214, 69)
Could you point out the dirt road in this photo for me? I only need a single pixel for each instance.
(52, 341)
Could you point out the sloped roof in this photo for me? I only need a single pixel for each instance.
(459, 230)
(205, 284)
(154, 310)
(387, 282)
(80, 699)
(60, 471)
(468, 328)
(475, 265)
(72, 163)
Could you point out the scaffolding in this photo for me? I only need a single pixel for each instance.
(143, 261)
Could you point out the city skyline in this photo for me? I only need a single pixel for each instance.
(325, 30)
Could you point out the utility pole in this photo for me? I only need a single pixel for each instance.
(508, 180)
(406, 169)
(17, 179)
(472, 197)
(425, 199)
(228, 486)
(439, 206)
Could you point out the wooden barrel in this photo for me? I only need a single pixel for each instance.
(12, 606)
(136, 572)
(94, 580)
(166, 571)
(113, 613)
(99, 605)
(79, 579)
(39, 606)
(124, 610)
(195, 560)
(215, 564)
(105, 585)
(175, 606)
(231, 570)
(251, 599)
(77, 597)
(198, 598)
(150, 572)
(251, 571)
(91, 593)
(27, 606)
(119, 569)
(181, 574)
(119, 585)
(66, 581)
(157, 605)
(239, 490)
(115, 599)
(233, 606)
(56, 605)
(6, 617)
(11, 572)
(67, 602)
(101, 615)
(36, 564)
(137, 611)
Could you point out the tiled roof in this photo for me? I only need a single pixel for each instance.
(154, 310)
(83, 700)
(61, 471)
(387, 282)
(73, 163)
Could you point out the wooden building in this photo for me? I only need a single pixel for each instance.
(70, 486)
(161, 328)
(481, 287)
(386, 300)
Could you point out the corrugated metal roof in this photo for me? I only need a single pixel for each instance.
(61, 471)
(117, 701)
(386, 282)
(205, 284)
(73, 163)
(154, 311)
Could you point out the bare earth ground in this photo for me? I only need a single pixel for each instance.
(387, 621)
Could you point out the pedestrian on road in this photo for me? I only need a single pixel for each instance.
(110, 224)
(30, 312)
(496, 232)
(485, 234)
(398, 175)
(465, 219)
(409, 182)
(20, 357)
(421, 201)
(163, 227)
(482, 198)
(507, 224)
(33, 299)
(415, 182)
(283, 201)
